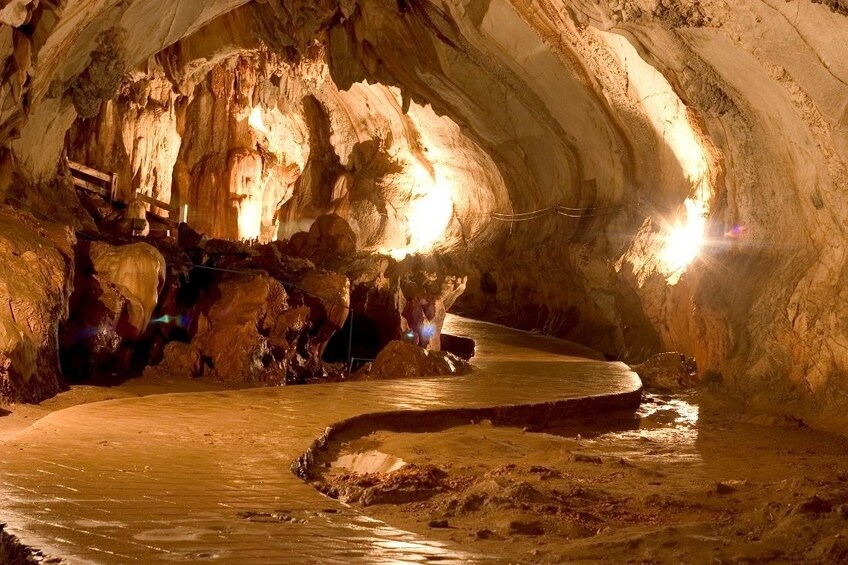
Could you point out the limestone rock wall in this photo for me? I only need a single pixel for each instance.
(696, 120)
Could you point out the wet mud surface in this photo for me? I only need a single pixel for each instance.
(688, 478)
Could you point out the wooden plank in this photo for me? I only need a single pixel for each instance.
(158, 203)
(105, 177)
(90, 186)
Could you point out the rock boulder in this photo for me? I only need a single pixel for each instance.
(399, 360)
(138, 272)
(229, 339)
(668, 372)
(116, 291)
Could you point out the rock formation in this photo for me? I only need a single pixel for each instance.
(399, 360)
(36, 281)
(116, 290)
(668, 372)
(636, 175)
(137, 271)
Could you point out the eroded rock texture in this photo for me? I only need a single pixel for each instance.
(664, 175)
(36, 281)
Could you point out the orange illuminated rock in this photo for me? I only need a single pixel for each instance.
(331, 234)
(328, 297)
(248, 329)
(229, 337)
(399, 360)
(36, 280)
(116, 290)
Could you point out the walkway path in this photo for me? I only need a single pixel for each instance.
(205, 476)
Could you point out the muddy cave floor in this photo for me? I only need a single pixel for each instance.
(688, 478)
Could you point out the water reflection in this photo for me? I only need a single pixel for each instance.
(390, 545)
(663, 426)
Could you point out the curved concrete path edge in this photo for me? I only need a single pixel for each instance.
(538, 416)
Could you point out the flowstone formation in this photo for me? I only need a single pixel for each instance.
(635, 175)
(116, 290)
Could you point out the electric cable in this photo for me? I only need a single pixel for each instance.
(533, 213)
(566, 211)
(31, 208)
(581, 216)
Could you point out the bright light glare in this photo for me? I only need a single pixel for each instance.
(250, 217)
(679, 244)
(685, 239)
(428, 216)
(428, 213)
(256, 121)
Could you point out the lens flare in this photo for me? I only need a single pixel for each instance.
(684, 240)
(182, 320)
(428, 331)
(736, 231)
(680, 241)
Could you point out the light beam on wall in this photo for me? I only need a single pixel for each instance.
(250, 217)
(682, 151)
(428, 212)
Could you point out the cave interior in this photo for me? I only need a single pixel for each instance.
(231, 194)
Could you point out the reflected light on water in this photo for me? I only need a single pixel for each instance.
(390, 545)
(664, 427)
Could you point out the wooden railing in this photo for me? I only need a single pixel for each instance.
(104, 184)
(178, 212)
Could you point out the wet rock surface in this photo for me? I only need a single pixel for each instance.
(409, 484)
(460, 346)
(186, 442)
(236, 313)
